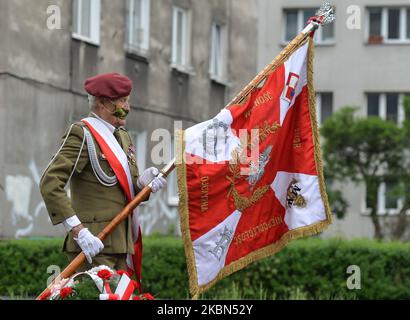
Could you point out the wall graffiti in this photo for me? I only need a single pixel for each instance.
(155, 215)
(19, 192)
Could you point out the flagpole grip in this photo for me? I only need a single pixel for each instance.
(142, 196)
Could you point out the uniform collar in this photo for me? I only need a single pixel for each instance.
(108, 125)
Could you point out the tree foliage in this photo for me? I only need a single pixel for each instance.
(315, 267)
(363, 150)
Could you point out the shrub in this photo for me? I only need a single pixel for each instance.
(309, 269)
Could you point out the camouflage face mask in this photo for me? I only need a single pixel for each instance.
(120, 113)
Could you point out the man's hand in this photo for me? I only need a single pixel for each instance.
(150, 175)
(89, 244)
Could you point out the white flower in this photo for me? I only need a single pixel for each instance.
(95, 270)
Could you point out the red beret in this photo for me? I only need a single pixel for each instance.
(109, 85)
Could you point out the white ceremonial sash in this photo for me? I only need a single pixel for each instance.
(118, 161)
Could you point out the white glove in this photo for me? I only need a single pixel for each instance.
(89, 244)
(150, 175)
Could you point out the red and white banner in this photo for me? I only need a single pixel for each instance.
(242, 200)
(118, 161)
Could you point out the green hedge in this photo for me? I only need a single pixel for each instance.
(315, 268)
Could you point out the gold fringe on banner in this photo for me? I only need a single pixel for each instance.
(184, 213)
(310, 230)
(316, 133)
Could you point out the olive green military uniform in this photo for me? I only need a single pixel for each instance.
(94, 203)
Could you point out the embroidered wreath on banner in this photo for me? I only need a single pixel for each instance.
(239, 156)
(242, 202)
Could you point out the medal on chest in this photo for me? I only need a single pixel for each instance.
(131, 154)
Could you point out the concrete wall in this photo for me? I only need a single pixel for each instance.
(33, 51)
(350, 68)
(41, 91)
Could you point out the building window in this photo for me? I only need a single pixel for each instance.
(373, 104)
(218, 63)
(292, 24)
(86, 20)
(181, 34)
(391, 200)
(387, 106)
(172, 185)
(140, 141)
(388, 202)
(295, 21)
(138, 26)
(375, 25)
(173, 199)
(408, 24)
(324, 105)
(394, 24)
(388, 25)
(392, 107)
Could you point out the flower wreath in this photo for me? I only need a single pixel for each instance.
(96, 284)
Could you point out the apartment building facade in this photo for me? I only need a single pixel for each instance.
(185, 58)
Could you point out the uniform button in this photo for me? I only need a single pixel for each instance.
(53, 214)
(95, 219)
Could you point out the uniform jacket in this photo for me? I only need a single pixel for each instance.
(94, 203)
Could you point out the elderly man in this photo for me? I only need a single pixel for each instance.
(97, 160)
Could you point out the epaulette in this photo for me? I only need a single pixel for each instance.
(80, 123)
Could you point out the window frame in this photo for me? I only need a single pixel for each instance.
(172, 199)
(140, 141)
(319, 96)
(383, 105)
(404, 38)
(381, 191)
(172, 185)
(143, 47)
(185, 64)
(95, 22)
(319, 41)
(381, 203)
(223, 54)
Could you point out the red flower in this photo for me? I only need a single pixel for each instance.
(148, 296)
(104, 274)
(65, 292)
(145, 296)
